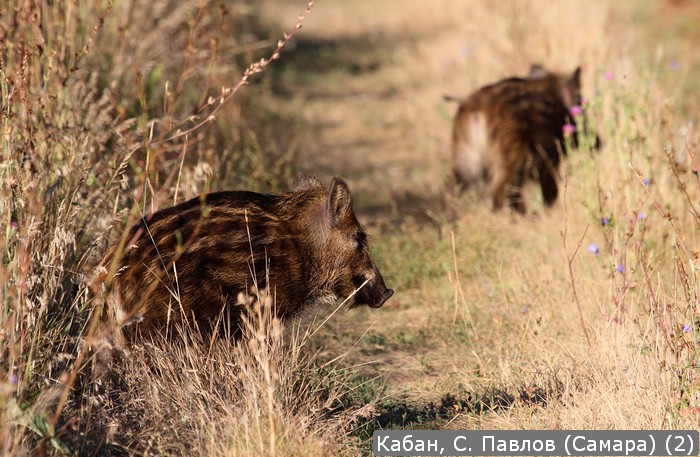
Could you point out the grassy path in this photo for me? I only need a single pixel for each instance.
(484, 329)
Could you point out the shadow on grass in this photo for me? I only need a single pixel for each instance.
(435, 416)
(420, 208)
(404, 415)
(309, 59)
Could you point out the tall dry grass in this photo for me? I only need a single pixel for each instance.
(109, 111)
(187, 395)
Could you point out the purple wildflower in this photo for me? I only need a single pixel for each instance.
(609, 75)
(13, 379)
(14, 225)
(568, 128)
(646, 181)
(593, 249)
(523, 309)
(604, 221)
(576, 110)
(620, 269)
(641, 216)
(674, 65)
(686, 328)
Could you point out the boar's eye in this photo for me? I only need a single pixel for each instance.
(361, 239)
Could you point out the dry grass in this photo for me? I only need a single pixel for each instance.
(498, 321)
(110, 111)
(264, 396)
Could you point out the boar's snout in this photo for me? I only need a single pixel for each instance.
(383, 298)
(373, 294)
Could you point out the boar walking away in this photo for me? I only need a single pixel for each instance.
(515, 130)
(196, 263)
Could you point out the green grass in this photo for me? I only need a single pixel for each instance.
(415, 249)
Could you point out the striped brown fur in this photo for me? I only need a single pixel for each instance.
(511, 131)
(197, 261)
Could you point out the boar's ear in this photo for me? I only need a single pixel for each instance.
(339, 202)
(575, 78)
(571, 88)
(537, 71)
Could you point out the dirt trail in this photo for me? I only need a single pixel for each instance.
(369, 77)
(374, 88)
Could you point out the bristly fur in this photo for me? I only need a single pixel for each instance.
(196, 263)
(511, 131)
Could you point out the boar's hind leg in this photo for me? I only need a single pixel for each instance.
(498, 187)
(515, 194)
(548, 183)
